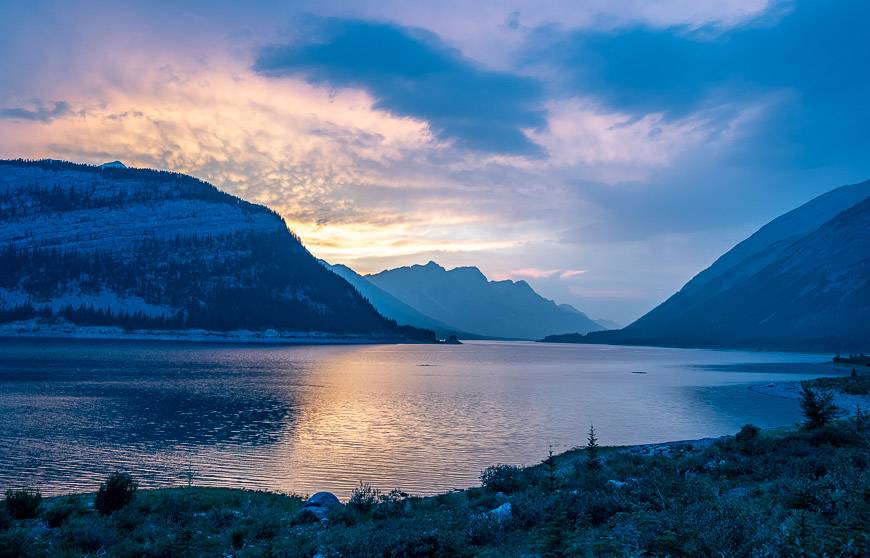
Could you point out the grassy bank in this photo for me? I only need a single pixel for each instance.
(774, 493)
(854, 384)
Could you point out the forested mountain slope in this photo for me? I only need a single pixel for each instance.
(150, 249)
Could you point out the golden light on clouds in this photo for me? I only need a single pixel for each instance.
(353, 182)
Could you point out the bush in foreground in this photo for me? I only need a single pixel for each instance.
(115, 493)
(502, 478)
(61, 511)
(23, 503)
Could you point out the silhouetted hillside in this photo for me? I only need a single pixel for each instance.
(156, 250)
(800, 282)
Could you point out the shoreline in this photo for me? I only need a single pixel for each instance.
(30, 330)
(791, 390)
(660, 449)
(514, 511)
(753, 492)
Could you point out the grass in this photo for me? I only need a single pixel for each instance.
(856, 384)
(775, 493)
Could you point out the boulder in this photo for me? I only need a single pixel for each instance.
(322, 500)
(317, 507)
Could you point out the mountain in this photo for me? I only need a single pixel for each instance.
(145, 249)
(464, 298)
(607, 324)
(801, 282)
(390, 306)
(767, 244)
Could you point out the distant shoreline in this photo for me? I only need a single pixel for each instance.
(32, 330)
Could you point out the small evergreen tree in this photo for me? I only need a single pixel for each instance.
(817, 406)
(593, 460)
(555, 522)
(550, 464)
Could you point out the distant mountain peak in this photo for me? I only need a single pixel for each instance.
(465, 298)
(470, 272)
(113, 165)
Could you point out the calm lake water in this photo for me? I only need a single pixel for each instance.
(421, 418)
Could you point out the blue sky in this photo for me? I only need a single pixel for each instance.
(604, 152)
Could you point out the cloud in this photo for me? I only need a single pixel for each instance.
(537, 273)
(813, 54)
(40, 113)
(354, 182)
(411, 72)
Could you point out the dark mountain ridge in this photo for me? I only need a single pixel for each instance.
(802, 282)
(147, 249)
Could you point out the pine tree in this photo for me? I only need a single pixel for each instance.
(817, 406)
(555, 521)
(593, 460)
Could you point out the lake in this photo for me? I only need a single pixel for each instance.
(421, 418)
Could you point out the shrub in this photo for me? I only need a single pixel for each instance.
(115, 493)
(237, 538)
(13, 544)
(392, 504)
(860, 420)
(857, 385)
(86, 534)
(363, 498)
(57, 514)
(128, 519)
(5, 520)
(23, 503)
(838, 437)
(502, 478)
(748, 439)
(817, 406)
(748, 433)
(159, 548)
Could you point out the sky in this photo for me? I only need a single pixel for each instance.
(605, 152)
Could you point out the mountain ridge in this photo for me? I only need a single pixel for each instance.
(465, 298)
(391, 307)
(148, 249)
(799, 282)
